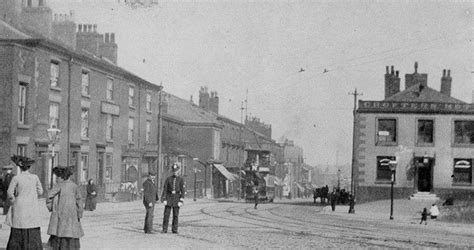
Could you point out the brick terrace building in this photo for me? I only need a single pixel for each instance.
(54, 75)
(428, 132)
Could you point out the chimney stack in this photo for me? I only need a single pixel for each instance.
(416, 78)
(392, 82)
(446, 82)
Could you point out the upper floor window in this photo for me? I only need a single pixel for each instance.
(383, 168)
(84, 167)
(462, 172)
(21, 149)
(85, 123)
(85, 82)
(54, 75)
(54, 115)
(464, 132)
(130, 129)
(425, 131)
(22, 103)
(386, 131)
(148, 102)
(109, 127)
(110, 89)
(148, 132)
(131, 96)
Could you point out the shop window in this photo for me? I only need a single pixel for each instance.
(462, 171)
(464, 132)
(425, 131)
(386, 131)
(383, 168)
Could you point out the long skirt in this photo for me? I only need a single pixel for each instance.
(57, 243)
(91, 202)
(25, 238)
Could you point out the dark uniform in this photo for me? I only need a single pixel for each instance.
(172, 196)
(6, 182)
(150, 196)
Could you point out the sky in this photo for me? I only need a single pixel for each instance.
(255, 50)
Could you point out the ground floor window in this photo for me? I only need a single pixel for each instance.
(383, 168)
(462, 171)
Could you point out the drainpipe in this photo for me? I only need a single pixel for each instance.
(68, 140)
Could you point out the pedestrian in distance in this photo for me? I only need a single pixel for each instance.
(434, 211)
(64, 201)
(424, 216)
(150, 196)
(23, 215)
(6, 182)
(334, 198)
(91, 198)
(255, 193)
(172, 197)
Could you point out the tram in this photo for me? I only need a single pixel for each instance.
(257, 175)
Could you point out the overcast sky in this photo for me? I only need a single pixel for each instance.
(260, 46)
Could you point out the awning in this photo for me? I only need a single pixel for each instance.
(225, 172)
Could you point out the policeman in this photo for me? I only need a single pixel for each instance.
(172, 197)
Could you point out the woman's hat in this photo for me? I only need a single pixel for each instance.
(22, 161)
(63, 171)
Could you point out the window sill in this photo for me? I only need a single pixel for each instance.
(132, 107)
(421, 144)
(463, 145)
(86, 95)
(24, 126)
(84, 139)
(111, 102)
(109, 140)
(385, 182)
(148, 111)
(386, 144)
(56, 88)
(462, 184)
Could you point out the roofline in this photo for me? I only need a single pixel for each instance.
(45, 43)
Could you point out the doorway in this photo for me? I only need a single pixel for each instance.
(424, 174)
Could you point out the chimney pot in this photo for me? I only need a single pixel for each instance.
(106, 37)
(95, 28)
(112, 37)
(444, 72)
(416, 67)
(386, 69)
(396, 73)
(79, 27)
(449, 73)
(393, 72)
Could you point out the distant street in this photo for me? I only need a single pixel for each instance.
(207, 224)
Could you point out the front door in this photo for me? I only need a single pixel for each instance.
(100, 166)
(425, 175)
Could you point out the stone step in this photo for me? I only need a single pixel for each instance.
(424, 196)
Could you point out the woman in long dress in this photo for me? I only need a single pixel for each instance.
(23, 193)
(64, 202)
(91, 199)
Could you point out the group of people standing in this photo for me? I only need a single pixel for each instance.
(172, 197)
(63, 201)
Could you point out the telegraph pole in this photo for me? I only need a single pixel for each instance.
(160, 130)
(241, 148)
(353, 167)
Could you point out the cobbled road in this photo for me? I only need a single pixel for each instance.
(232, 225)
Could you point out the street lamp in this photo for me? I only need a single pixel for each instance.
(393, 167)
(195, 187)
(53, 135)
(338, 179)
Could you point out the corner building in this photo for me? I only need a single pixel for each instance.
(428, 132)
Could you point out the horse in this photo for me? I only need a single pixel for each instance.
(322, 193)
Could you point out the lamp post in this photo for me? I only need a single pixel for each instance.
(393, 167)
(53, 135)
(338, 179)
(195, 185)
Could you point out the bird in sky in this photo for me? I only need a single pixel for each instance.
(302, 70)
(325, 71)
(143, 60)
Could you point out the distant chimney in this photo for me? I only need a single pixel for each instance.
(108, 48)
(38, 19)
(64, 29)
(416, 78)
(204, 98)
(214, 102)
(446, 82)
(392, 82)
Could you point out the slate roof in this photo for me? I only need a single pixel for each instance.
(9, 32)
(420, 93)
(189, 112)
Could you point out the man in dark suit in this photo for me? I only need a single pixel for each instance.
(150, 196)
(172, 198)
(6, 182)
